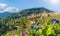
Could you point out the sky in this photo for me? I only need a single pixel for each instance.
(18, 5)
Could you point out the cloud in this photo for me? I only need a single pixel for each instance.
(17, 10)
(11, 9)
(5, 8)
(2, 5)
(52, 2)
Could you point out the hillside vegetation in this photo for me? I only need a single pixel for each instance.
(28, 12)
(19, 25)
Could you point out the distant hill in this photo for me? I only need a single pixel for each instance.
(34, 11)
(2, 15)
(28, 12)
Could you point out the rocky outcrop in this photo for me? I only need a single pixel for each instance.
(43, 15)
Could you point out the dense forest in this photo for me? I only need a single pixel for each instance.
(18, 24)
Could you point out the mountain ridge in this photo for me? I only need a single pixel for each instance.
(2, 15)
(25, 12)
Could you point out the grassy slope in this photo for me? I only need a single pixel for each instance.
(44, 22)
